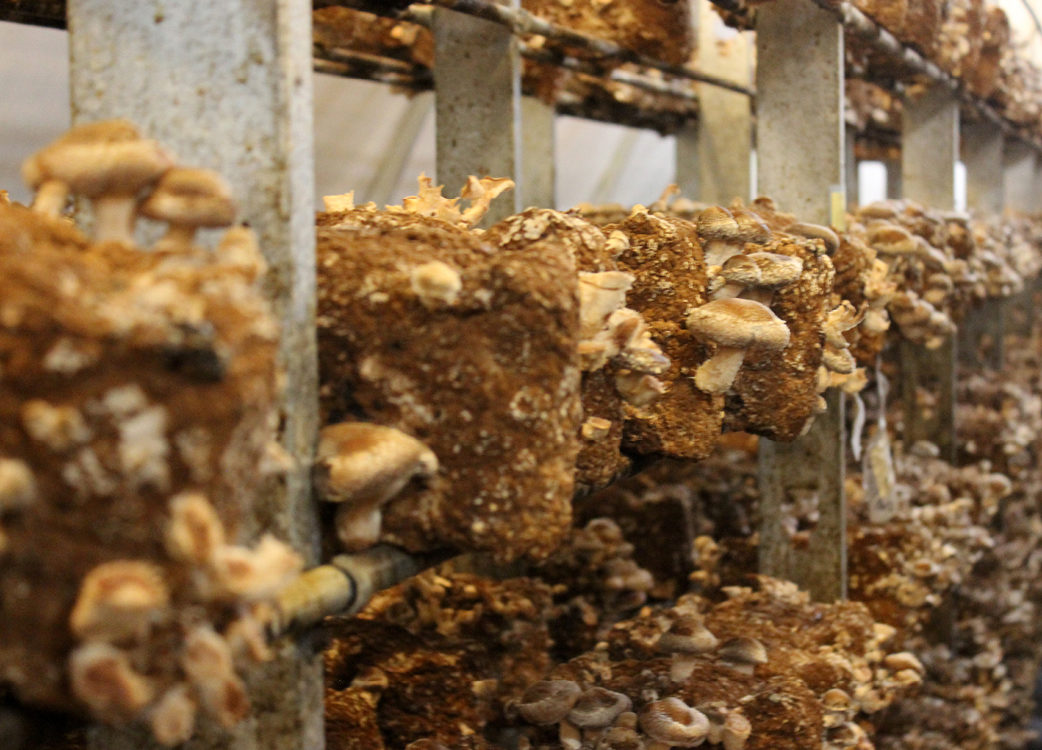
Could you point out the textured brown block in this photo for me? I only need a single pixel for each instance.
(775, 394)
(126, 378)
(666, 258)
(486, 375)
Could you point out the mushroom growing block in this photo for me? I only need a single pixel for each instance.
(488, 380)
(775, 394)
(129, 378)
(665, 258)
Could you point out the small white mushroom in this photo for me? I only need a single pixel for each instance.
(119, 600)
(101, 676)
(17, 485)
(435, 283)
(194, 532)
(686, 638)
(173, 716)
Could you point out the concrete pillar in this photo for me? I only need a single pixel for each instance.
(800, 162)
(228, 86)
(713, 154)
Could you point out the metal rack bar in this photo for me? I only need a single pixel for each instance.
(240, 103)
(801, 159)
(521, 22)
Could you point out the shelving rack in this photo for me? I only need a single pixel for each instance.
(228, 85)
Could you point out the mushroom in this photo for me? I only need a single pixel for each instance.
(119, 600)
(253, 574)
(672, 723)
(735, 325)
(189, 199)
(815, 232)
(720, 235)
(173, 716)
(362, 466)
(207, 662)
(548, 702)
(101, 677)
(891, 239)
(194, 532)
(435, 283)
(736, 731)
(743, 654)
(17, 485)
(108, 162)
(620, 738)
(596, 709)
(686, 638)
(756, 276)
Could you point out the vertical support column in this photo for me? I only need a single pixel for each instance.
(800, 160)
(929, 151)
(538, 152)
(477, 85)
(982, 332)
(930, 147)
(228, 86)
(850, 168)
(713, 154)
(894, 185)
(1018, 165)
(981, 145)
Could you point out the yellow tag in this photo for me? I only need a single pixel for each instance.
(838, 208)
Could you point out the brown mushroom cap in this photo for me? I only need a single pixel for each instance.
(99, 158)
(777, 270)
(717, 223)
(739, 323)
(815, 232)
(687, 635)
(743, 650)
(741, 269)
(751, 228)
(363, 462)
(548, 701)
(891, 239)
(196, 197)
(597, 708)
(672, 721)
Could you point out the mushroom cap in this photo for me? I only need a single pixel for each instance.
(877, 210)
(100, 158)
(739, 323)
(743, 650)
(815, 232)
(363, 462)
(751, 228)
(717, 223)
(198, 197)
(687, 635)
(777, 270)
(672, 721)
(891, 239)
(597, 708)
(741, 269)
(548, 701)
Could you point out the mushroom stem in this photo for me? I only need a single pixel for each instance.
(50, 198)
(763, 296)
(718, 251)
(114, 218)
(358, 527)
(179, 234)
(717, 373)
(570, 736)
(682, 666)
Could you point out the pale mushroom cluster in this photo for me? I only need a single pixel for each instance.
(138, 394)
